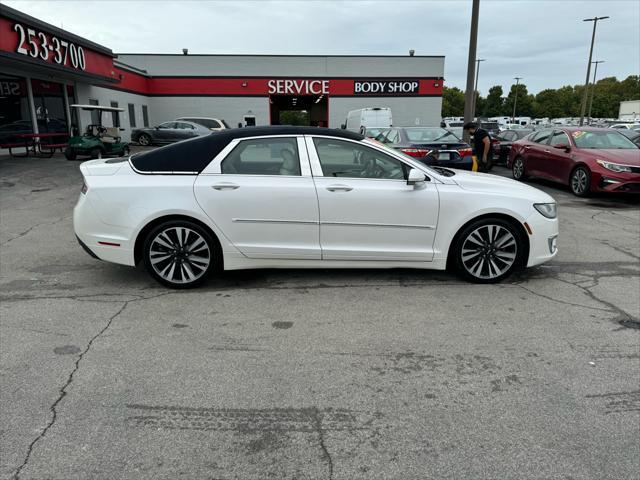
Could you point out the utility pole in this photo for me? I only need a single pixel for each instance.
(515, 100)
(593, 88)
(475, 89)
(585, 94)
(471, 64)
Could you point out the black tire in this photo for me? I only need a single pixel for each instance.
(96, 152)
(163, 270)
(488, 262)
(124, 152)
(580, 182)
(518, 169)
(70, 153)
(144, 140)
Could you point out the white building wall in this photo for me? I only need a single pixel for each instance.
(629, 110)
(405, 111)
(105, 96)
(230, 109)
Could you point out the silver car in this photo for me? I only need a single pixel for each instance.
(168, 132)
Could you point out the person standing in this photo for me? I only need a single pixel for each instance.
(481, 146)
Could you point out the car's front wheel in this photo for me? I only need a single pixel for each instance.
(489, 250)
(144, 140)
(179, 254)
(580, 182)
(517, 169)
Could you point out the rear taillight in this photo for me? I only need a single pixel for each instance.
(84, 188)
(415, 152)
(465, 152)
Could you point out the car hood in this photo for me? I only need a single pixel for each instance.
(629, 156)
(484, 182)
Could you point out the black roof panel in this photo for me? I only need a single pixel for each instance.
(194, 155)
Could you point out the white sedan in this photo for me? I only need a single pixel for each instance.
(302, 197)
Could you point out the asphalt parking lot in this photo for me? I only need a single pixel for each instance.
(315, 374)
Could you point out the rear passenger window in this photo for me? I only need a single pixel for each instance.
(266, 156)
(542, 136)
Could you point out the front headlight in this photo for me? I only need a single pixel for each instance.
(549, 210)
(614, 167)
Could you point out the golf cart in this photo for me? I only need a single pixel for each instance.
(97, 141)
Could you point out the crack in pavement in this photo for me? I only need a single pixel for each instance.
(564, 302)
(63, 392)
(20, 235)
(325, 453)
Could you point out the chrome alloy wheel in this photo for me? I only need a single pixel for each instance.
(489, 251)
(144, 140)
(579, 181)
(518, 168)
(179, 255)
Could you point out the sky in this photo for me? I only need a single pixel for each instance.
(544, 41)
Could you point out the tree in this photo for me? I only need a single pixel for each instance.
(524, 104)
(452, 102)
(493, 103)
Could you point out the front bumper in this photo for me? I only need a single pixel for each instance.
(606, 181)
(543, 239)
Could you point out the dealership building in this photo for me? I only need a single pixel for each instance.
(44, 70)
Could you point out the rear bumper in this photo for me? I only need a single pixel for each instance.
(102, 241)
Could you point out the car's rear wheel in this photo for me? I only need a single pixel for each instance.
(489, 250)
(179, 254)
(144, 140)
(517, 169)
(70, 153)
(580, 182)
(95, 153)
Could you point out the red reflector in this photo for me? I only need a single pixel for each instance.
(526, 225)
(109, 244)
(465, 152)
(85, 188)
(415, 152)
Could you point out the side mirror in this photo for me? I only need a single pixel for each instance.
(157, 127)
(415, 177)
(563, 146)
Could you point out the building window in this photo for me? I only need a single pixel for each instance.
(115, 116)
(95, 115)
(145, 115)
(132, 115)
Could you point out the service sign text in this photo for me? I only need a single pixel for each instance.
(298, 87)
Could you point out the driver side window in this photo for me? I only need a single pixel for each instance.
(339, 158)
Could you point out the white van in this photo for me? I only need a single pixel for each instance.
(360, 120)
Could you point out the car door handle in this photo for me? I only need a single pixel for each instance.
(339, 188)
(225, 186)
(547, 151)
(527, 147)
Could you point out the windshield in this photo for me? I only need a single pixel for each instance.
(601, 140)
(430, 135)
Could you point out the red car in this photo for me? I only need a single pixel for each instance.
(586, 159)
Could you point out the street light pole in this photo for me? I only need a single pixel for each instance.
(585, 95)
(515, 100)
(593, 88)
(471, 64)
(475, 89)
